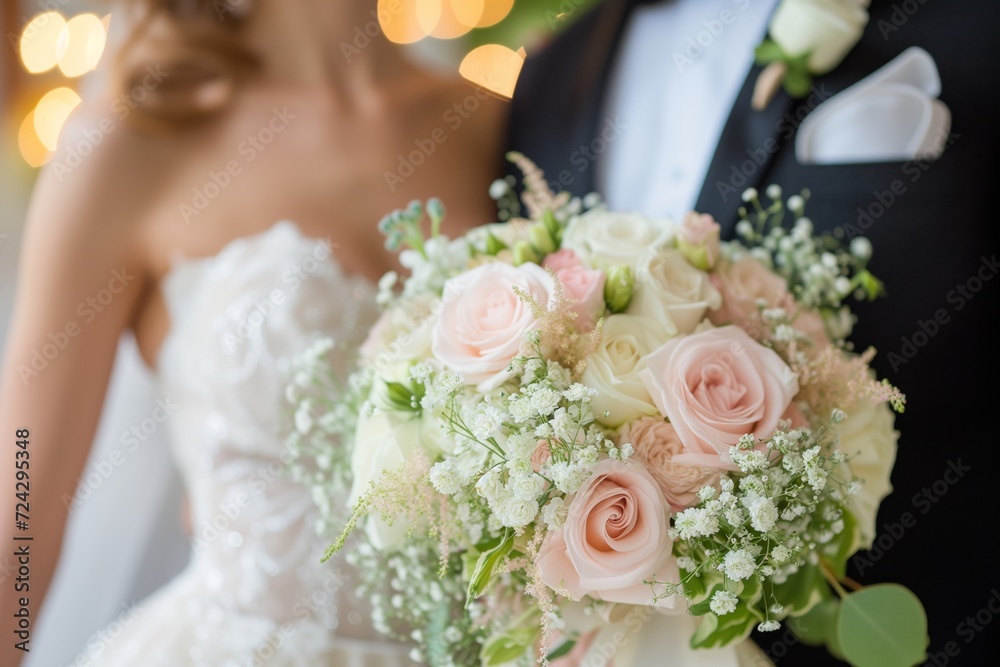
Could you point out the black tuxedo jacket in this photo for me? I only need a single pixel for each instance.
(932, 226)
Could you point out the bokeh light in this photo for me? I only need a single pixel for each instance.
(50, 115)
(494, 67)
(494, 11)
(33, 150)
(400, 21)
(82, 41)
(41, 44)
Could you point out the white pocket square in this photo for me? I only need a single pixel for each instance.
(893, 114)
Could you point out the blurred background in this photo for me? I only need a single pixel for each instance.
(52, 56)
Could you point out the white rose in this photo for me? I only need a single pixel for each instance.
(670, 289)
(826, 29)
(603, 239)
(869, 437)
(402, 333)
(613, 368)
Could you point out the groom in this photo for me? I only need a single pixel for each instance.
(649, 103)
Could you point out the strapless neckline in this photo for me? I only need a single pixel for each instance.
(182, 275)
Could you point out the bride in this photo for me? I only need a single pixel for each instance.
(251, 113)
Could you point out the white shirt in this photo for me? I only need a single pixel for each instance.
(677, 74)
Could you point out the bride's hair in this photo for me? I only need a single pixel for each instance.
(183, 60)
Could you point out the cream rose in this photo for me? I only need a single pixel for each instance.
(716, 386)
(826, 29)
(656, 444)
(868, 435)
(669, 288)
(613, 368)
(402, 333)
(482, 323)
(615, 536)
(604, 239)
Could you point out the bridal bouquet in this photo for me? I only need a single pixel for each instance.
(578, 413)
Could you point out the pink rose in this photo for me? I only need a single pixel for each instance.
(541, 455)
(615, 536)
(716, 386)
(656, 444)
(561, 259)
(699, 239)
(583, 286)
(745, 282)
(741, 284)
(482, 323)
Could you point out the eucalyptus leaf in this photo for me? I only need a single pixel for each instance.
(882, 626)
(818, 625)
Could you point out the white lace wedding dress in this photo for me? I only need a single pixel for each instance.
(254, 592)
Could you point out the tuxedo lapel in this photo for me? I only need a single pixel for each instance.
(561, 93)
(750, 140)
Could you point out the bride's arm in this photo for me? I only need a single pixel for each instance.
(78, 284)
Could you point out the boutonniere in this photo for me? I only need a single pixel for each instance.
(806, 38)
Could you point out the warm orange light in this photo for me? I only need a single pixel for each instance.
(493, 67)
(467, 12)
(51, 113)
(494, 11)
(82, 40)
(440, 18)
(400, 21)
(32, 149)
(40, 45)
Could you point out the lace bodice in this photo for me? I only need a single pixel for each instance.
(237, 321)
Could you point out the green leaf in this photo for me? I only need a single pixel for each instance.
(509, 646)
(843, 545)
(802, 590)
(705, 605)
(562, 650)
(486, 566)
(494, 245)
(797, 82)
(515, 641)
(715, 631)
(552, 225)
(883, 626)
(768, 52)
(399, 395)
(818, 625)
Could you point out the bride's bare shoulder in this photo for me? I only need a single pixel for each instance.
(106, 176)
